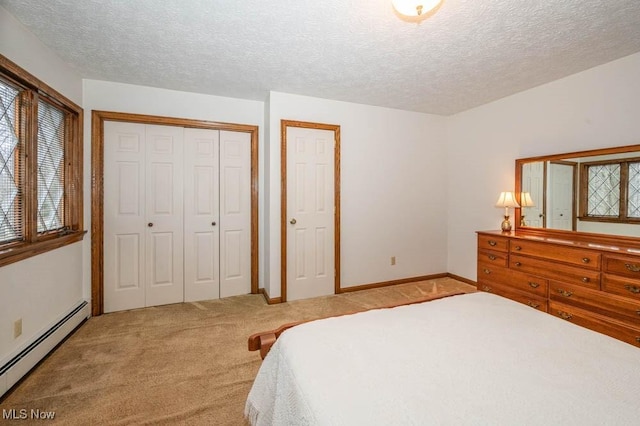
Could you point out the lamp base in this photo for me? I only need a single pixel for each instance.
(505, 225)
(522, 222)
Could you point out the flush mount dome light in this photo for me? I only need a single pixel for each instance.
(414, 8)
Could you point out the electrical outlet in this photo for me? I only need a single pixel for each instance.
(17, 328)
(393, 260)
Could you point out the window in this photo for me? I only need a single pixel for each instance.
(611, 190)
(40, 166)
(10, 172)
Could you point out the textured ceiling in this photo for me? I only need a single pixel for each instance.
(468, 53)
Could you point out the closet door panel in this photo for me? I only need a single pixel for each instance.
(235, 213)
(164, 215)
(201, 210)
(124, 220)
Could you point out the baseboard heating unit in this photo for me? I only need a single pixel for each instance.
(19, 365)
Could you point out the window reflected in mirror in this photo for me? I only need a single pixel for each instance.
(596, 191)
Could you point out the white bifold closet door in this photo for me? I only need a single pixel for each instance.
(235, 213)
(217, 214)
(177, 219)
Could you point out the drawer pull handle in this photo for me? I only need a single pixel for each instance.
(518, 248)
(585, 260)
(492, 243)
(533, 285)
(486, 271)
(564, 293)
(632, 288)
(631, 267)
(518, 264)
(533, 304)
(638, 339)
(565, 315)
(487, 288)
(492, 257)
(638, 312)
(585, 280)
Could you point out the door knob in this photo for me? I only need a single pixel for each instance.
(213, 224)
(293, 221)
(150, 224)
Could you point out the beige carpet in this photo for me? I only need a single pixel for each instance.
(177, 364)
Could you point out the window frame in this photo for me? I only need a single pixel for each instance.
(32, 242)
(623, 187)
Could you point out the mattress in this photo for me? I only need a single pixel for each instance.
(474, 359)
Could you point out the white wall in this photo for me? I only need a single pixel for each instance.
(40, 290)
(393, 196)
(596, 108)
(25, 49)
(43, 288)
(118, 97)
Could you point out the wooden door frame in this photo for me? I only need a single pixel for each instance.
(97, 189)
(284, 124)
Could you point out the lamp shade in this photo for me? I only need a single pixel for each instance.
(507, 199)
(525, 200)
(414, 7)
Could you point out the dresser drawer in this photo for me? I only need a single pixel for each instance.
(493, 257)
(617, 329)
(529, 283)
(524, 298)
(556, 271)
(493, 273)
(626, 266)
(576, 256)
(492, 242)
(621, 285)
(597, 301)
(488, 273)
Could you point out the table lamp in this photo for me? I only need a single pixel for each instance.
(525, 201)
(506, 200)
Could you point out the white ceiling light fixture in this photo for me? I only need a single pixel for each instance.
(415, 8)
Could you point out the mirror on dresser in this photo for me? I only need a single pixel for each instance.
(595, 192)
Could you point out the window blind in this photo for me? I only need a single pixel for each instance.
(11, 164)
(633, 191)
(50, 178)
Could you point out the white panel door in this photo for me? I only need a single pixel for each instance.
(533, 183)
(177, 215)
(310, 213)
(201, 215)
(560, 196)
(124, 219)
(164, 215)
(235, 213)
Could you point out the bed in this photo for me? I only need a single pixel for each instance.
(468, 359)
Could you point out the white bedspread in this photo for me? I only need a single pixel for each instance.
(475, 359)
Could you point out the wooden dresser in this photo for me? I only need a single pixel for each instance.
(591, 284)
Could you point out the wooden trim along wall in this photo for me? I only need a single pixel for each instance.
(269, 300)
(97, 190)
(408, 280)
(283, 200)
(393, 282)
(276, 300)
